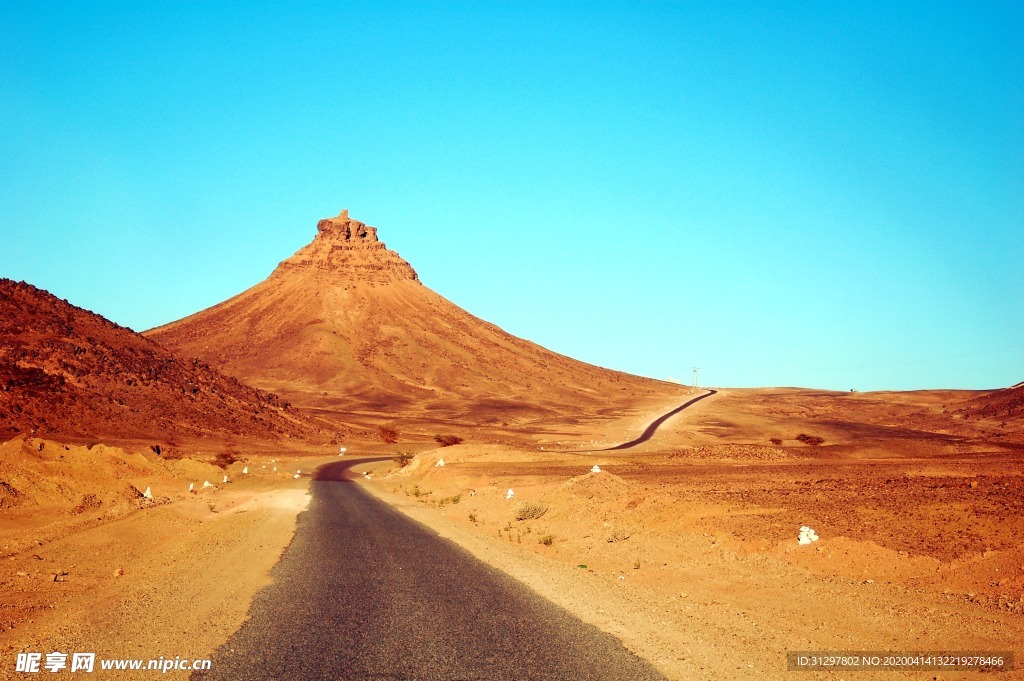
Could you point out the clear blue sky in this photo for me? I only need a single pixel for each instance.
(823, 194)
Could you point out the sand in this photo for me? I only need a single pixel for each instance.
(685, 547)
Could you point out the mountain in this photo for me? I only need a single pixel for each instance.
(68, 373)
(346, 326)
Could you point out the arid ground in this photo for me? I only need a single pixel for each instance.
(684, 546)
(688, 543)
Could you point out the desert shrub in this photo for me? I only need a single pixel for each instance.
(530, 510)
(809, 439)
(619, 534)
(472, 517)
(388, 434)
(224, 459)
(546, 539)
(776, 441)
(89, 502)
(404, 459)
(447, 440)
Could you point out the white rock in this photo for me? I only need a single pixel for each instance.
(191, 487)
(440, 463)
(368, 477)
(245, 471)
(148, 494)
(509, 494)
(342, 450)
(275, 469)
(207, 483)
(595, 469)
(225, 479)
(296, 476)
(807, 535)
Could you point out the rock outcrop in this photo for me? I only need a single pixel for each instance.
(348, 248)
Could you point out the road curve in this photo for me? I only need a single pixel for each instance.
(363, 592)
(653, 425)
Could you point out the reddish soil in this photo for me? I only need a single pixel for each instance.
(70, 374)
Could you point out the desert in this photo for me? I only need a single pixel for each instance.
(746, 524)
(511, 341)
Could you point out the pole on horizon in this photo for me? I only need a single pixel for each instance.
(695, 370)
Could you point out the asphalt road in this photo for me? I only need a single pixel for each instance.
(363, 592)
(653, 426)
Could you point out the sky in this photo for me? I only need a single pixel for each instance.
(815, 194)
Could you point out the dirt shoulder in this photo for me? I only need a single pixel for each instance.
(128, 577)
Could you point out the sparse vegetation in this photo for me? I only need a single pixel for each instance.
(813, 440)
(450, 500)
(89, 502)
(546, 539)
(417, 492)
(776, 441)
(619, 534)
(224, 459)
(404, 459)
(530, 510)
(472, 517)
(447, 440)
(388, 434)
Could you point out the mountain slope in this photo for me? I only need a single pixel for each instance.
(345, 325)
(69, 373)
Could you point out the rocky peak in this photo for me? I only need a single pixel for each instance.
(350, 248)
(344, 228)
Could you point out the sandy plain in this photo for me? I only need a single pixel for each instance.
(688, 542)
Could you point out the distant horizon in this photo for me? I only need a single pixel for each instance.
(825, 196)
(668, 379)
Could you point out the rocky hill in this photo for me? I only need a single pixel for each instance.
(68, 373)
(345, 326)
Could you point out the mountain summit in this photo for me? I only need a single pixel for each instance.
(346, 246)
(345, 327)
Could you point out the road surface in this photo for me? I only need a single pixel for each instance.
(653, 426)
(363, 592)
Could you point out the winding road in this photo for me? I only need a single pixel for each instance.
(363, 592)
(656, 423)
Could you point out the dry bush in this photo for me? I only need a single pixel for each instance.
(404, 459)
(224, 459)
(447, 440)
(388, 434)
(546, 539)
(172, 454)
(809, 439)
(776, 441)
(89, 502)
(530, 510)
(619, 534)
